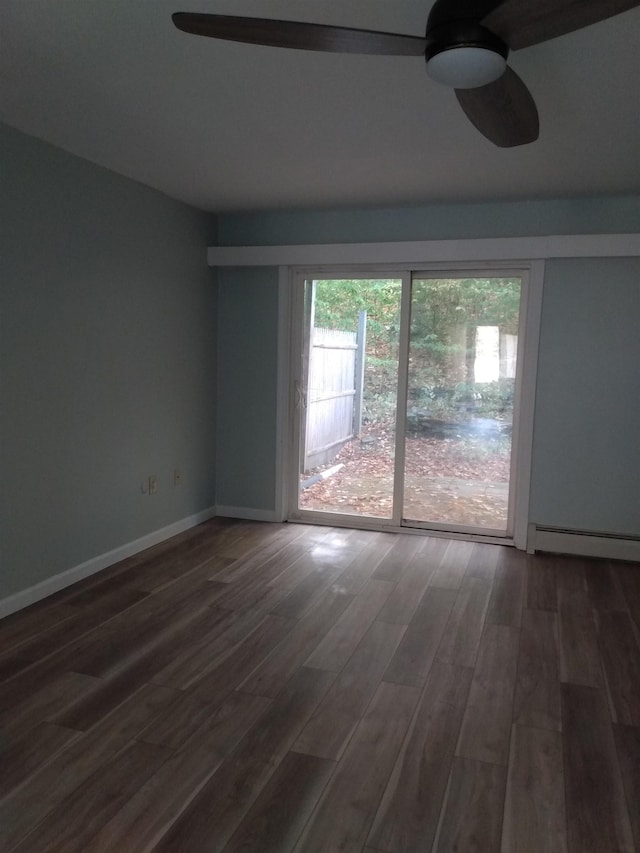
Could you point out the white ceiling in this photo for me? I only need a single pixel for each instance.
(226, 126)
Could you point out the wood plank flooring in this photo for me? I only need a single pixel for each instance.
(280, 687)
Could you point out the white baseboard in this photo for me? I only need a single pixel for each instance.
(47, 587)
(248, 513)
(583, 544)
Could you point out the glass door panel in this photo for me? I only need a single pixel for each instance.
(406, 399)
(460, 402)
(347, 396)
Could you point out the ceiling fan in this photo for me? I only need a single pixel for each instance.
(466, 47)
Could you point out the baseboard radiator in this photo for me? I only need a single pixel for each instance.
(583, 543)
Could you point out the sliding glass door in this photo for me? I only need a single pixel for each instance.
(406, 399)
(347, 397)
(461, 394)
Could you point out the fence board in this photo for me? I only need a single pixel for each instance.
(331, 394)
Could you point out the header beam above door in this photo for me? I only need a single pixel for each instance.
(424, 251)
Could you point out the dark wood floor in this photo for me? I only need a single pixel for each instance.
(263, 687)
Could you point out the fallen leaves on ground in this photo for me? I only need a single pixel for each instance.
(446, 479)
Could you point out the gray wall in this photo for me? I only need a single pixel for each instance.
(586, 471)
(115, 366)
(108, 360)
(586, 462)
(247, 386)
(433, 222)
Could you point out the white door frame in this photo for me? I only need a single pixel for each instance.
(296, 278)
(289, 340)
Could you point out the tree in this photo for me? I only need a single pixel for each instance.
(339, 301)
(445, 314)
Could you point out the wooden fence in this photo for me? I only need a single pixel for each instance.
(334, 392)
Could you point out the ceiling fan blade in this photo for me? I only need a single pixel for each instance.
(298, 35)
(522, 23)
(504, 111)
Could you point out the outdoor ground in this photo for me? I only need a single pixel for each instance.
(461, 480)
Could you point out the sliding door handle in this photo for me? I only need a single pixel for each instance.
(301, 396)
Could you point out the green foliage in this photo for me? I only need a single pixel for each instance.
(339, 301)
(438, 304)
(445, 313)
(479, 399)
(496, 398)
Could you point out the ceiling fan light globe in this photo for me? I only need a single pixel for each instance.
(466, 67)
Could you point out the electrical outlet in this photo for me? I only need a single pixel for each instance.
(177, 477)
(153, 484)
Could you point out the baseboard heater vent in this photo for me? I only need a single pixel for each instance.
(584, 543)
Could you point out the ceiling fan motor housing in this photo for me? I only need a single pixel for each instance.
(465, 55)
(460, 52)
